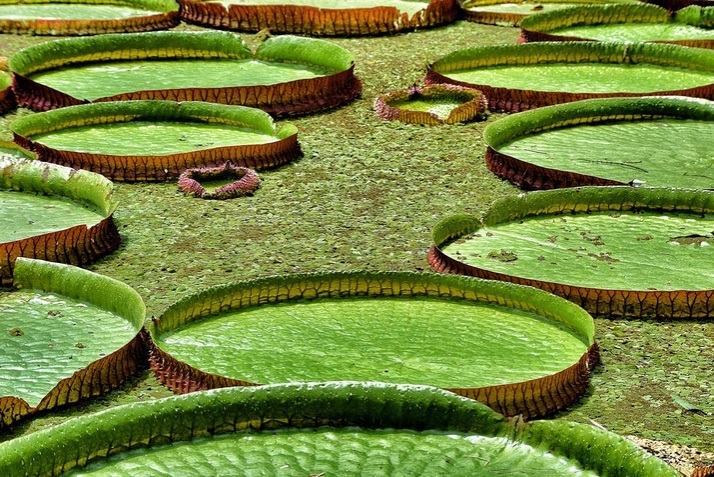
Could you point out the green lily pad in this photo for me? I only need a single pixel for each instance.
(310, 429)
(53, 213)
(167, 138)
(655, 141)
(7, 98)
(612, 250)
(321, 17)
(510, 347)
(286, 75)
(619, 22)
(520, 77)
(86, 17)
(67, 334)
(500, 12)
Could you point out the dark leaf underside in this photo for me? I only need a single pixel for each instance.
(517, 78)
(321, 18)
(364, 339)
(618, 261)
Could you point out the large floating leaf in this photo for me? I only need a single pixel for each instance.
(613, 250)
(86, 17)
(498, 12)
(68, 334)
(621, 22)
(166, 138)
(286, 75)
(53, 213)
(658, 141)
(309, 429)
(520, 77)
(516, 349)
(7, 98)
(321, 17)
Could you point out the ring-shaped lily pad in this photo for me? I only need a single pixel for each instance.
(166, 138)
(67, 334)
(526, 76)
(345, 429)
(661, 141)
(504, 12)
(622, 251)
(517, 349)
(86, 17)
(321, 17)
(7, 98)
(53, 213)
(236, 182)
(621, 22)
(286, 74)
(435, 104)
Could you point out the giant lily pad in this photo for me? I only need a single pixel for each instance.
(613, 250)
(7, 98)
(86, 17)
(658, 141)
(67, 334)
(311, 429)
(53, 213)
(321, 17)
(526, 76)
(624, 22)
(286, 75)
(519, 350)
(499, 12)
(167, 138)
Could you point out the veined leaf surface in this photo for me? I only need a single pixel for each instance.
(384, 327)
(308, 429)
(621, 251)
(613, 141)
(68, 334)
(526, 76)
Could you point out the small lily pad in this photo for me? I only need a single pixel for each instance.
(44, 365)
(436, 104)
(53, 213)
(526, 76)
(236, 182)
(520, 351)
(321, 17)
(167, 138)
(86, 17)
(286, 74)
(620, 251)
(622, 22)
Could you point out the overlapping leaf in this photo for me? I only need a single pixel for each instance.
(167, 138)
(656, 141)
(321, 17)
(403, 430)
(286, 75)
(520, 77)
(7, 98)
(518, 350)
(499, 12)
(612, 250)
(86, 17)
(53, 213)
(68, 334)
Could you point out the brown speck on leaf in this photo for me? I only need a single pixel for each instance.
(15, 332)
(646, 237)
(80, 345)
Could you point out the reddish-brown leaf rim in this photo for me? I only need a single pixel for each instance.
(247, 181)
(651, 304)
(515, 100)
(532, 398)
(67, 27)
(78, 245)
(288, 98)
(316, 21)
(148, 167)
(474, 104)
